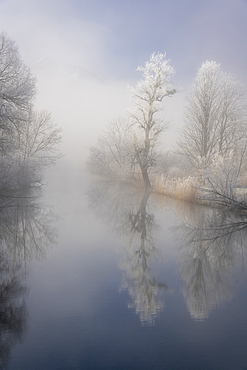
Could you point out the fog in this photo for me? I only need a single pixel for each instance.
(84, 54)
(66, 297)
(82, 104)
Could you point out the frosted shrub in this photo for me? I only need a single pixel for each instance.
(222, 177)
(185, 189)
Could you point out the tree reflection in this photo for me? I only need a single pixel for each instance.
(138, 277)
(13, 313)
(212, 248)
(125, 209)
(26, 232)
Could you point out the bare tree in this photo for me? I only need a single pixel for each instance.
(214, 116)
(39, 138)
(27, 137)
(17, 88)
(110, 158)
(129, 145)
(147, 98)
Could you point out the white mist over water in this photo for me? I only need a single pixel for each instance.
(81, 104)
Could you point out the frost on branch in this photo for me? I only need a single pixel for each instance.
(147, 101)
(128, 149)
(149, 92)
(214, 117)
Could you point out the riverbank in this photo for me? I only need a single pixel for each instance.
(191, 190)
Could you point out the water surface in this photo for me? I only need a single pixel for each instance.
(116, 278)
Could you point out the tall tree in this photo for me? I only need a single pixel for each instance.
(214, 116)
(147, 101)
(129, 146)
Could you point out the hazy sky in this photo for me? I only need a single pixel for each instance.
(112, 37)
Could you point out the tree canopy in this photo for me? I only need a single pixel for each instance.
(214, 116)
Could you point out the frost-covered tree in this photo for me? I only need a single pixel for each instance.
(38, 138)
(129, 147)
(27, 138)
(147, 101)
(17, 90)
(111, 156)
(214, 116)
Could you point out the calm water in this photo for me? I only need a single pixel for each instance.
(106, 277)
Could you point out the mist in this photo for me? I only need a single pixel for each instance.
(106, 42)
(83, 104)
(134, 214)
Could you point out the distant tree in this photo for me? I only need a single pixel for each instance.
(214, 116)
(111, 156)
(147, 98)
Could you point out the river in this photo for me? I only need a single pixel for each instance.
(110, 277)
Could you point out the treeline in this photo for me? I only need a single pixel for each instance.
(208, 161)
(28, 138)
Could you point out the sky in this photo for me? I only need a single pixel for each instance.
(111, 39)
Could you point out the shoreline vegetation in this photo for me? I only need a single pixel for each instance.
(187, 190)
(208, 163)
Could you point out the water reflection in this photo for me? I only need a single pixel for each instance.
(26, 232)
(126, 211)
(212, 253)
(13, 313)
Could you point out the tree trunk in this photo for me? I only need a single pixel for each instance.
(146, 178)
